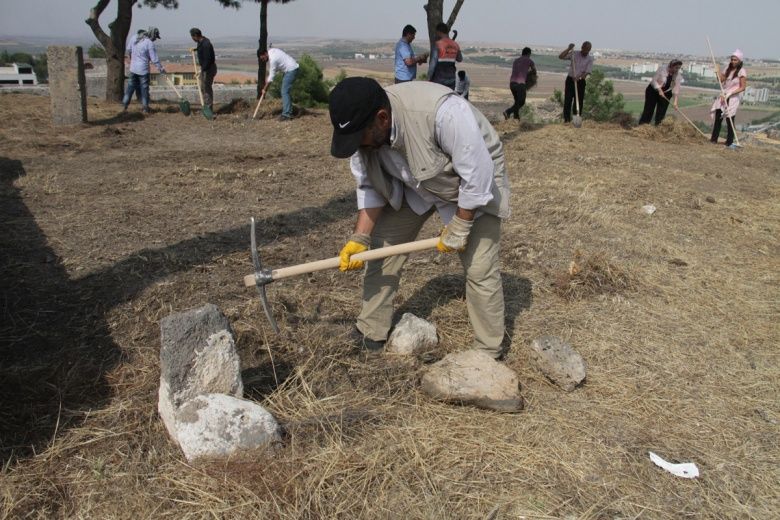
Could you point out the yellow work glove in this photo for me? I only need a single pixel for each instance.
(357, 243)
(454, 235)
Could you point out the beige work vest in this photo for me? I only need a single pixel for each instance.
(414, 105)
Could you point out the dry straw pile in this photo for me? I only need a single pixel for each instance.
(675, 313)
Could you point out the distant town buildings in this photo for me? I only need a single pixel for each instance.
(372, 56)
(643, 68)
(18, 74)
(756, 95)
(705, 71)
(179, 74)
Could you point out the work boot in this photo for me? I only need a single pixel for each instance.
(366, 344)
(284, 118)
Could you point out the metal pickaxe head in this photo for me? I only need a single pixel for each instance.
(262, 278)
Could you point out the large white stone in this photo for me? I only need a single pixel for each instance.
(412, 335)
(474, 377)
(218, 425)
(559, 362)
(197, 356)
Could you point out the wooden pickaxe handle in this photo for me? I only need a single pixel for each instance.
(330, 263)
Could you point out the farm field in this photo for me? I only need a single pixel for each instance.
(108, 227)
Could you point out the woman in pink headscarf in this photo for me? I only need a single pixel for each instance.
(734, 81)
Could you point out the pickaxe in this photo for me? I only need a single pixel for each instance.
(263, 277)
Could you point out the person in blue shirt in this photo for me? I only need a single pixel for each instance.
(405, 60)
(142, 51)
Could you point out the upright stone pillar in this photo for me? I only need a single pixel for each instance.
(67, 85)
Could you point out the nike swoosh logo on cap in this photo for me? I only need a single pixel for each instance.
(344, 125)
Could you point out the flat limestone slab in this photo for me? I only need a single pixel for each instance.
(474, 377)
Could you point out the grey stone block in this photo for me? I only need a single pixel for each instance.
(67, 85)
(197, 356)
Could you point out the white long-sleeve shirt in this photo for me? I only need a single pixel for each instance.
(278, 60)
(458, 135)
(659, 79)
(580, 64)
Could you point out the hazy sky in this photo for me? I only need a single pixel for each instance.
(680, 26)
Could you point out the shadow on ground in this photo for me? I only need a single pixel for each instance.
(55, 344)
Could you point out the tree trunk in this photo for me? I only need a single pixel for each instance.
(262, 45)
(454, 13)
(435, 12)
(114, 44)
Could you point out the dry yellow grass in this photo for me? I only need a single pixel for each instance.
(682, 361)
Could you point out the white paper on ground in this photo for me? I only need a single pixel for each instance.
(649, 209)
(684, 470)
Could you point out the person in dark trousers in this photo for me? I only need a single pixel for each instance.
(463, 85)
(734, 82)
(405, 60)
(442, 67)
(665, 85)
(208, 66)
(580, 68)
(521, 68)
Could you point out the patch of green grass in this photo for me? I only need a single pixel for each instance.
(635, 106)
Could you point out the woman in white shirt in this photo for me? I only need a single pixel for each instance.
(664, 86)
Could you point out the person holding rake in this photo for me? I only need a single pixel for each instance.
(659, 93)
(733, 81)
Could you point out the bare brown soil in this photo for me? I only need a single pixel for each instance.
(110, 226)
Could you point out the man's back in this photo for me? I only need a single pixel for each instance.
(520, 69)
(142, 52)
(448, 52)
(206, 56)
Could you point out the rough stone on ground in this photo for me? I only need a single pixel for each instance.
(412, 335)
(558, 361)
(67, 85)
(474, 377)
(197, 356)
(217, 425)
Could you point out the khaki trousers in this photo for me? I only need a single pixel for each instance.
(484, 293)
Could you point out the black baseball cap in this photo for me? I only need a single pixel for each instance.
(353, 104)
